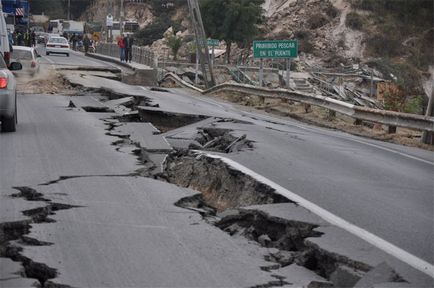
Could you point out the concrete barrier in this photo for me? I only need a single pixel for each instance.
(141, 74)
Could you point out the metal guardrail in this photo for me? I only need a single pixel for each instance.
(385, 117)
(140, 55)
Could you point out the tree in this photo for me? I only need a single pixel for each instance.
(174, 44)
(58, 8)
(234, 21)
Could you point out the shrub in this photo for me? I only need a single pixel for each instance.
(317, 21)
(406, 75)
(354, 21)
(384, 45)
(152, 32)
(331, 11)
(174, 43)
(304, 41)
(414, 105)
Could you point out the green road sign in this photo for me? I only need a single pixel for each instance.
(275, 49)
(213, 42)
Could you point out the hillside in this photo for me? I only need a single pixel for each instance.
(393, 36)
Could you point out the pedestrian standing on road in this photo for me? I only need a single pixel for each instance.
(74, 42)
(86, 43)
(128, 48)
(33, 38)
(27, 40)
(121, 45)
(20, 38)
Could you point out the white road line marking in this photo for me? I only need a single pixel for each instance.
(378, 242)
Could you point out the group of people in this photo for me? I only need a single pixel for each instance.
(79, 41)
(125, 44)
(24, 38)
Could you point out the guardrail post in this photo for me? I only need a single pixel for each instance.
(391, 129)
(332, 115)
(358, 122)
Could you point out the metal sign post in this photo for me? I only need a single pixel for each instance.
(288, 71)
(196, 76)
(261, 72)
(109, 24)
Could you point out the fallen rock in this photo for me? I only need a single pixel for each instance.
(264, 240)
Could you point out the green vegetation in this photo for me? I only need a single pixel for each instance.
(304, 38)
(414, 105)
(234, 21)
(164, 10)
(174, 43)
(395, 22)
(317, 21)
(400, 37)
(58, 8)
(355, 21)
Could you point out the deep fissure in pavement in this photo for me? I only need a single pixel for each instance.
(222, 187)
(95, 109)
(162, 120)
(226, 191)
(221, 140)
(17, 232)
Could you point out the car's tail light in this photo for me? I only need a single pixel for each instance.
(3, 80)
(65, 46)
(33, 64)
(50, 45)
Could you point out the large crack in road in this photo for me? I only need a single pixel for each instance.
(224, 200)
(13, 233)
(224, 190)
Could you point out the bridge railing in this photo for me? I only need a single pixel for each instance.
(140, 55)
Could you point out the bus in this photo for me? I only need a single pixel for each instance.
(130, 27)
(55, 26)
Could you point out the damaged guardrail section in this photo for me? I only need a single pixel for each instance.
(385, 117)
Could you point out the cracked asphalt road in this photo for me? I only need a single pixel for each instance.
(126, 230)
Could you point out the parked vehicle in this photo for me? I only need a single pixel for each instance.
(5, 46)
(57, 45)
(28, 57)
(8, 96)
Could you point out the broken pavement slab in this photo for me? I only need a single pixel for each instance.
(299, 276)
(130, 225)
(146, 136)
(382, 273)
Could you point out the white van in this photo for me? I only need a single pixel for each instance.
(4, 39)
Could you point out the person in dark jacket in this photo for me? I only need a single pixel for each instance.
(74, 40)
(86, 43)
(33, 38)
(129, 41)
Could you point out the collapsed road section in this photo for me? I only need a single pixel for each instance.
(221, 193)
(225, 198)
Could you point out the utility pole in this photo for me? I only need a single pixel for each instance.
(69, 9)
(201, 43)
(121, 18)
